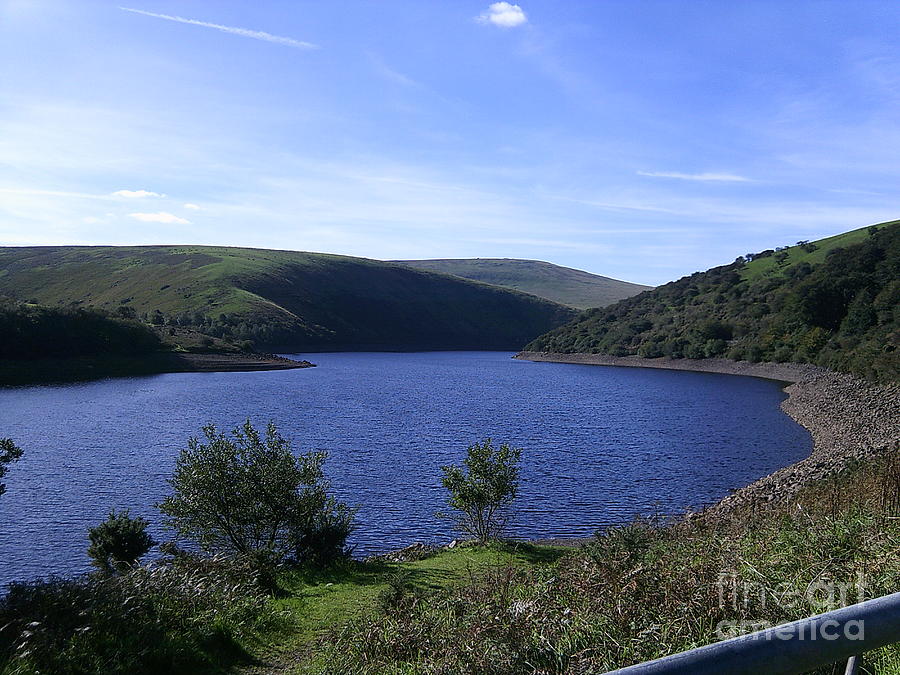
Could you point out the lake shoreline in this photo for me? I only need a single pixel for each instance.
(46, 371)
(849, 419)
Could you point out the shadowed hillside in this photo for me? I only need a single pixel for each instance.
(564, 285)
(834, 303)
(279, 299)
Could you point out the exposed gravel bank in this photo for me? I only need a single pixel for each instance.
(849, 419)
(196, 363)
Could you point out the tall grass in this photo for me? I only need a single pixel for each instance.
(188, 615)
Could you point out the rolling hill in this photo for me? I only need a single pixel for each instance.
(834, 302)
(564, 285)
(282, 300)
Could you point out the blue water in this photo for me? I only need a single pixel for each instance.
(600, 444)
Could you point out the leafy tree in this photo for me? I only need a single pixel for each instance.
(250, 495)
(118, 542)
(482, 491)
(9, 453)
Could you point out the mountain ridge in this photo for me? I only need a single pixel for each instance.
(565, 285)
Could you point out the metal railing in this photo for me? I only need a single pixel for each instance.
(792, 648)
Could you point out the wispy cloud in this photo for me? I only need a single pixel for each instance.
(136, 194)
(712, 177)
(243, 32)
(389, 73)
(503, 14)
(160, 217)
(192, 207)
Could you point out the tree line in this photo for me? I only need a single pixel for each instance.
(32, 331)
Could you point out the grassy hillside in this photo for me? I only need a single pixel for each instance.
(834, 302)
(560, 284)
(282, 299)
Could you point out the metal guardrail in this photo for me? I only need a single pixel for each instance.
(792, 648)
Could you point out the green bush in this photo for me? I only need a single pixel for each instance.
(482, 491)
(249, 495)
(118, 542)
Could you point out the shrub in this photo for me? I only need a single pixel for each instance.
(118, 542)
(482, 491)
(323, 538)
(251, 496)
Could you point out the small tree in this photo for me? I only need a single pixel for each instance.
(9, 453)
(482, 491)
(251, 496)
(118, 542)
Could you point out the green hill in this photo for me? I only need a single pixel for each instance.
(834, 302)
(279, 299)
(564, 285)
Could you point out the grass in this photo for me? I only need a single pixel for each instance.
(769, 266)
(564, 285)
(317, 603)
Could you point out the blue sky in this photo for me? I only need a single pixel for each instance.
(639, 139)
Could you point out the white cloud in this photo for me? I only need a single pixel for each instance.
(160, 217)
(136, 194)
(722, 177)
(243, 32)
(192, 207)
(503, 14)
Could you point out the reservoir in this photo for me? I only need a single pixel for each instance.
(600, 444)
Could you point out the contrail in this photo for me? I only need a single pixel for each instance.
(243, 32)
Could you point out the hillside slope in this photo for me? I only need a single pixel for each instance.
(834, 303)
(564, 285)
(279, 299)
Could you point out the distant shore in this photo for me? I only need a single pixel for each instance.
(43, 371)
(849, 419)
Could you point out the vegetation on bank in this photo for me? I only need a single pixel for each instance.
(32, 332)
(57, 344)
(834, 303)
(646, 590)
(564, 285)
(279, 299)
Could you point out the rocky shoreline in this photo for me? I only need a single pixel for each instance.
(849, 419)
